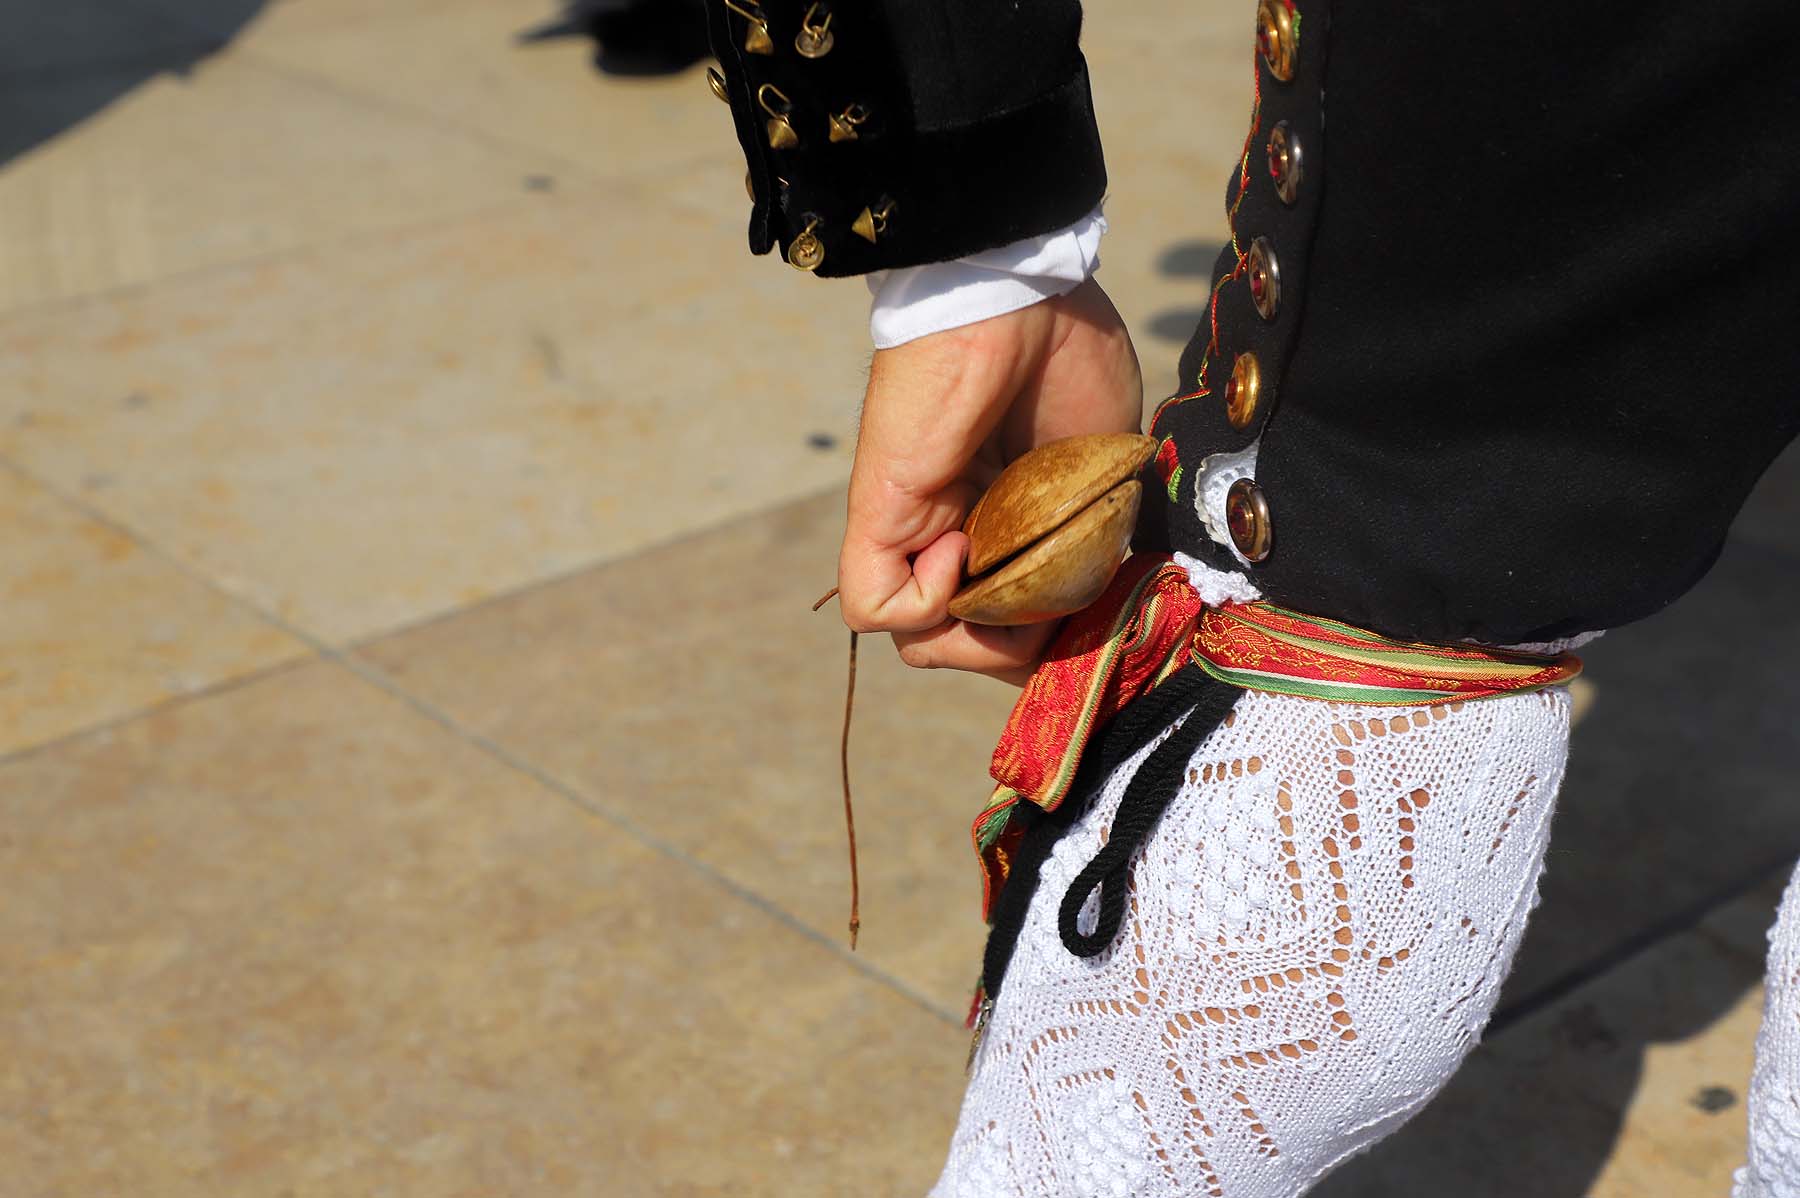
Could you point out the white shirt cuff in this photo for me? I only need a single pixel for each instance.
(913, 301)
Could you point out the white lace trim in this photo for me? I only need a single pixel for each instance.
(1552, 648)
(1217, 587)
(1212, 482)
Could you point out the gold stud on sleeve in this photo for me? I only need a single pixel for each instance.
(815, 41)
(843, 124)
(716, 82)
(757, 38)
(782, 135)
(871, 223)
(806, 251)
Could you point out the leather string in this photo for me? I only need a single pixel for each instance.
(844, 774)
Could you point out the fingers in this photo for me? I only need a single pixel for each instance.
(881, 589)
(1009, 654)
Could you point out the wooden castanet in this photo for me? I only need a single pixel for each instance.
(1047, 536)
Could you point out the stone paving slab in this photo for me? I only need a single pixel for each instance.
(690, 691)
(296, 939)
(545, 96)
(228, 161)
(93, 626)
(359, 437)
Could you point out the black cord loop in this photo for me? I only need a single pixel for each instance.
(1146, 797)
(1189, 690)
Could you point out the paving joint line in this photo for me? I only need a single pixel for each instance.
(368, 674)
(211, 690)
(557, 578)
(507, 757)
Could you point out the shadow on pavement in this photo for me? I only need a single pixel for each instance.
(63, 61)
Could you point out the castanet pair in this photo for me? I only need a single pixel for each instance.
(1046, 537)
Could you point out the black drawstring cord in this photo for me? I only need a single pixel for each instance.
(1189, 690)
(1145, 799)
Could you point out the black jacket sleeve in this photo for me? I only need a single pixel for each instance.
(895, 132)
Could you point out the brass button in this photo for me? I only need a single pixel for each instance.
(1243, 390)
(716, 82)
(1247, 515)
(1265, 278)
(1286, 165)
(1278, 37)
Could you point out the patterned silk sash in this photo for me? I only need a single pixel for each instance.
(1149, 622)
(1262, 647)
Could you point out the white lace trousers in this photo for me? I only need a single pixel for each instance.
(1315, 935)
(1774, 1167)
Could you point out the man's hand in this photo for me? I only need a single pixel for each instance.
(942, 416)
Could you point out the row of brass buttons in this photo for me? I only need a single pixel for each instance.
(1246, 507)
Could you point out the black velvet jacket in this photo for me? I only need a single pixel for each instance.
(1521, 311)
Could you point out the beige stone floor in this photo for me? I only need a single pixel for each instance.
(417, 757)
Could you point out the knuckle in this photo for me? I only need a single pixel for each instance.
(857, 615)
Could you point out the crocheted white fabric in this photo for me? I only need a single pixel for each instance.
(1774, 1167)
(1217, 587)
(1212, 484)
(1315, 935)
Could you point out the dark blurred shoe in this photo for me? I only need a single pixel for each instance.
(637, 37)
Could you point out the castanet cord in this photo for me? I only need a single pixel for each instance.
(844, 773)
